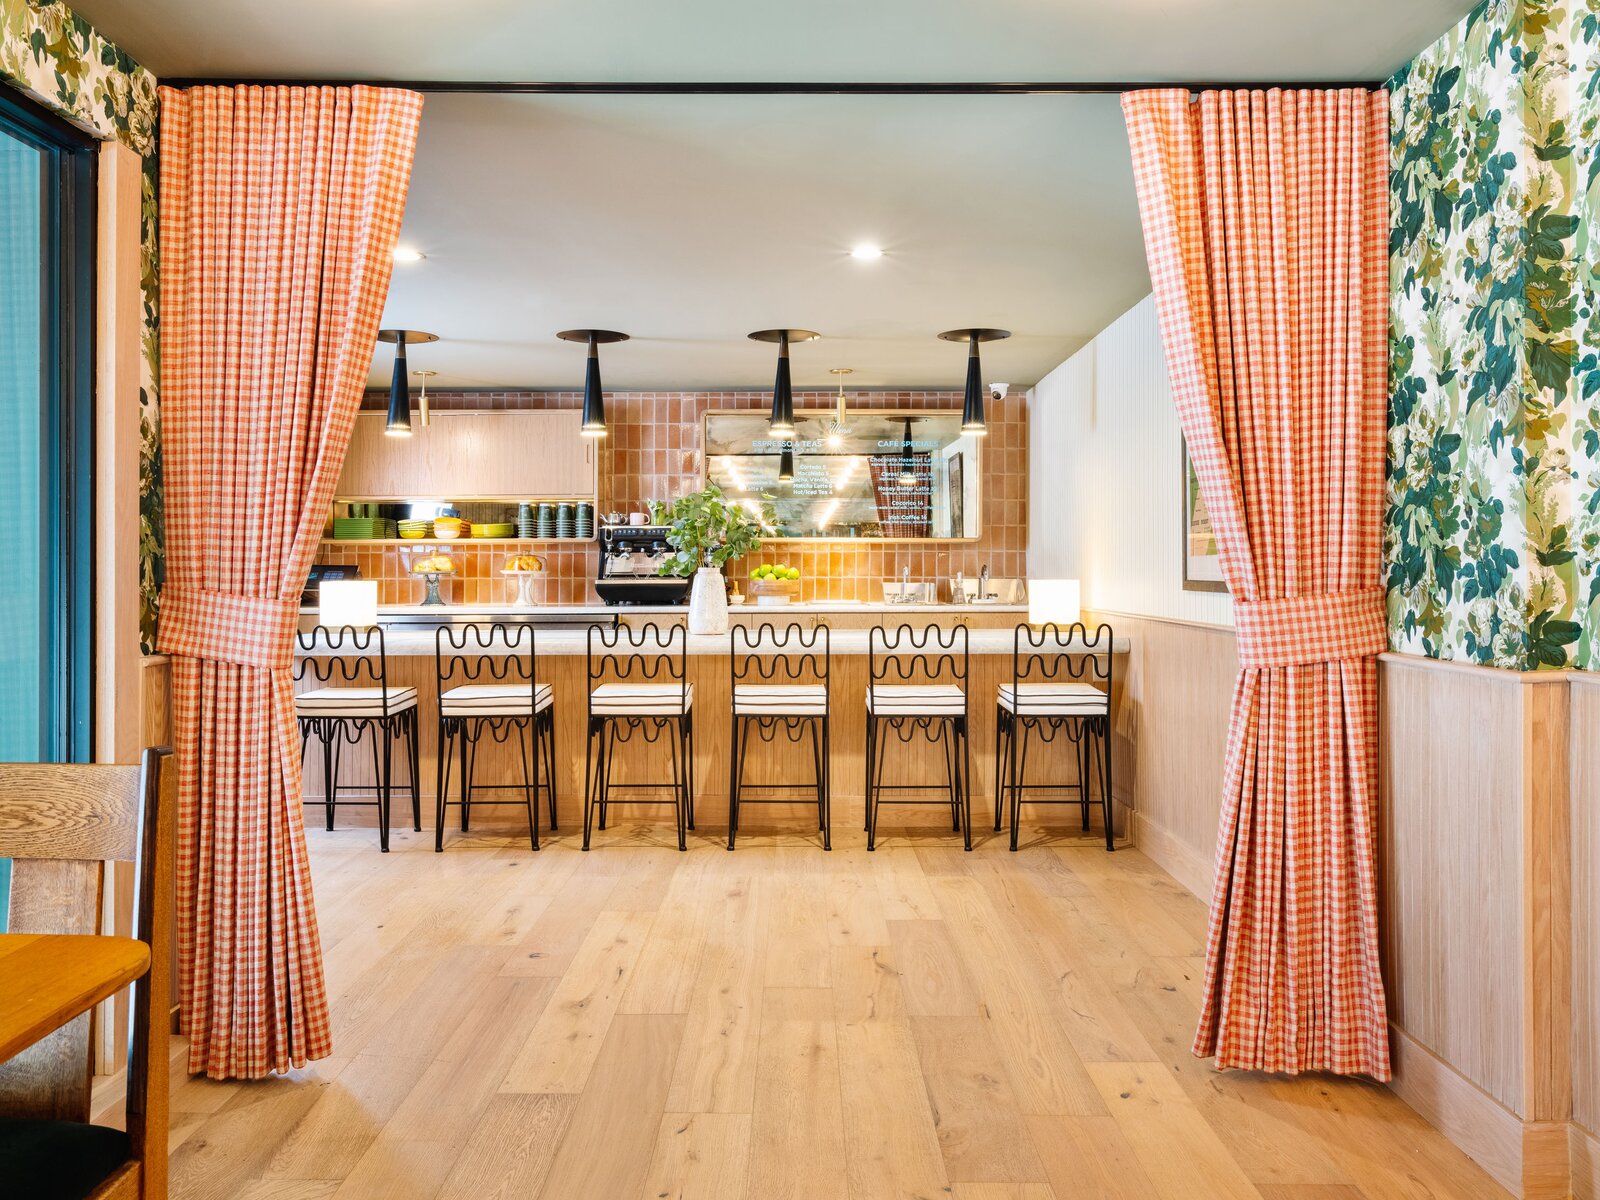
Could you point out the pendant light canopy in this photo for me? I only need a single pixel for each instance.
(782, 423)
(399, 422)
(594, 399)
(972, 415)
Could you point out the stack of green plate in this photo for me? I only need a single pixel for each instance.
(364, 527)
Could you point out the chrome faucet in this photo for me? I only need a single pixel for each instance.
(983, 582)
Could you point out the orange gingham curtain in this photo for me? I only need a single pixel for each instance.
(280, 208)
(1266, 225)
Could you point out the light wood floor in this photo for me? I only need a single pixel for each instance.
(636, 1024)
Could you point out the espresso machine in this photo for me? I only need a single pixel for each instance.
(630, 562)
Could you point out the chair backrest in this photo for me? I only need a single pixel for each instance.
(932, 655)
(59, 824)
(1063, 654)
(657, 654)
(344, 655)
(772, 655)
(488, 650)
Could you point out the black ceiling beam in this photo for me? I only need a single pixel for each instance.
(530, 88)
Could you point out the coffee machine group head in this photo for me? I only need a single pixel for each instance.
(630, 564)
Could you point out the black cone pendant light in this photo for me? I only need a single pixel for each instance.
(972, 415)
(786, 464)
(399, 422)
(594, 399)
(782, 423)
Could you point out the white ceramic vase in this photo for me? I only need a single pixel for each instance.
(708, 603)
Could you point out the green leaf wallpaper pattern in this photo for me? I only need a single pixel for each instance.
(57, 57)
(1492, 541)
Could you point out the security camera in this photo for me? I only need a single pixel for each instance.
(997, 391)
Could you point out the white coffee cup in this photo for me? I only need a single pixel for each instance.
(639, 518)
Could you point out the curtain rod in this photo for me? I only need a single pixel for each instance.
(530, 88)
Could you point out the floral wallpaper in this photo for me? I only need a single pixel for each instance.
(50, 52)
(1493, 538)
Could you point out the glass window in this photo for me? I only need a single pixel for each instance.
(46, 313)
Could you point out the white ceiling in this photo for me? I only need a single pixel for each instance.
(688, 221)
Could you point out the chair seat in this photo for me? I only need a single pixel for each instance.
(58, 1160)
(780, 700)
(916, 700)
(641, 699)
(1055, 700)
(495, 700)
(353, 701)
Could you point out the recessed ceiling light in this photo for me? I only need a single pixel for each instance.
(408, 254)
(866, 251)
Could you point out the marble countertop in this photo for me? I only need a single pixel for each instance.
(421, 641)
(612, 610)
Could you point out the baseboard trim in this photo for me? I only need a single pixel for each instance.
(1480, 1126)
(1173, 855)
(1583, 1152)
(1531, 1159)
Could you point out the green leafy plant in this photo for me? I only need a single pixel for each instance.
(705, 530)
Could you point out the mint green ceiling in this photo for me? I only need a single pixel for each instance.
(759, 39)
(688, 221)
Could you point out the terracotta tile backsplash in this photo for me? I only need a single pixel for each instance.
(653, 452)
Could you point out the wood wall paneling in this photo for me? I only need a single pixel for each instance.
(1584, 802)
(1451, 846)
(1171, 738)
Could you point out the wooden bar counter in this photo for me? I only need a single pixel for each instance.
(562, 663)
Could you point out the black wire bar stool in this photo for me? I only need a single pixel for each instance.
(486, 677)
(638, 689)
(1060, 687)
(765, 708)
(929, 701)
(362, 703)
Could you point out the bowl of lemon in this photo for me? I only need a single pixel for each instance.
(775, 583)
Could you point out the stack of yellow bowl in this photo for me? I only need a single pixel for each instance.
(448, 527)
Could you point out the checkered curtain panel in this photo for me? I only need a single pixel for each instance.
(280, 208)
(1266, 224)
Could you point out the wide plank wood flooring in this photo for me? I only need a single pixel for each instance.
(639, 1024)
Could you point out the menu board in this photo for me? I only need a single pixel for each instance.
(881, 474)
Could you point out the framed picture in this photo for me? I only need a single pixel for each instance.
(956, 468)
(1202, 565)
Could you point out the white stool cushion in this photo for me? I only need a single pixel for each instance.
(495, 700)
(780, 699)
(916, 700)
(353, 701)
(641, 699)
(1055, 700)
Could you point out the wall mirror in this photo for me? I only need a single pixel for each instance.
(896, 475)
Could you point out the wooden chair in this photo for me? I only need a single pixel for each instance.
(59, 824)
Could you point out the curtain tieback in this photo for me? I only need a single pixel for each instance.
(1329, 627)
(253, 631)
